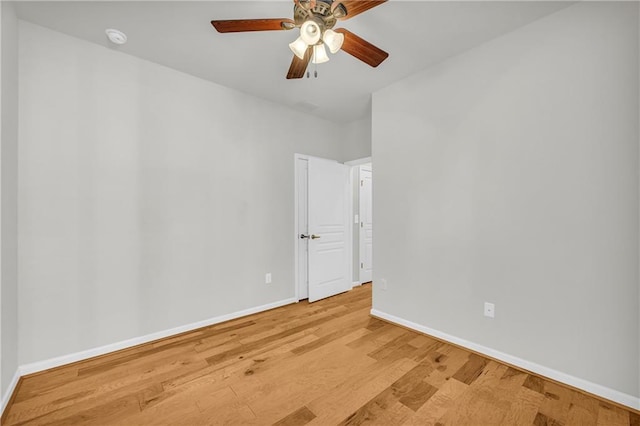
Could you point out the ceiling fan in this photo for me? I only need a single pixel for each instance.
(315, 19)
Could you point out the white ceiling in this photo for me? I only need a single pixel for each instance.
(178, 34)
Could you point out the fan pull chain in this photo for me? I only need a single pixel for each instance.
(315, 71)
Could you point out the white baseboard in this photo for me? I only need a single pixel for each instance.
(585, 385)
(355, 284)
(12, 387)
(90, 353)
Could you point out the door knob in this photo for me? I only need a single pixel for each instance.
(313, 237)
(302, 236)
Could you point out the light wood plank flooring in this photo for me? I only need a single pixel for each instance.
(325, 363)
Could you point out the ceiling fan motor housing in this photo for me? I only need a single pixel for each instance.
(320, 12)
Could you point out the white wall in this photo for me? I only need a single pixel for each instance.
(8, 197)
(357, 139)
(509, 174)
(148, 199)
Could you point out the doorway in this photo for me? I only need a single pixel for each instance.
(365, 237)
(362, 219)
(323, 228)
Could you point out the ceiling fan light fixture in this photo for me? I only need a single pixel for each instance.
(333, 40)
(310, 32)
(319, 54)
(298, 47)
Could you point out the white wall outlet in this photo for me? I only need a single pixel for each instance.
(267, 278)
(489, 310)
(383, 283)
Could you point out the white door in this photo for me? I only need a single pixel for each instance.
(328, 198)
(366, 225)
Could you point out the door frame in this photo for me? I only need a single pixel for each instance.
(355, 178)
(296, 202)
(361, 240)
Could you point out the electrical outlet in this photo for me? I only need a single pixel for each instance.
(267, 278)
(489, 310)
(383, 283)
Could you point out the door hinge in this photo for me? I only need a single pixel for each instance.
(361, 224)
(361, 183)
(361, 265)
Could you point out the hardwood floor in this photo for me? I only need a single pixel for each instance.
(319, 364)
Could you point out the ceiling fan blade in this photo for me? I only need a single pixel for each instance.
(356, 7)
(242, 25)
(362, 49)
(299, 66)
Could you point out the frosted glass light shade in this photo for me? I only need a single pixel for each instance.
(298, 47)
(333, 40)
(319, 54)
(310, 32)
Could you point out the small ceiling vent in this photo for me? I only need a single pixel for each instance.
(116, 37)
